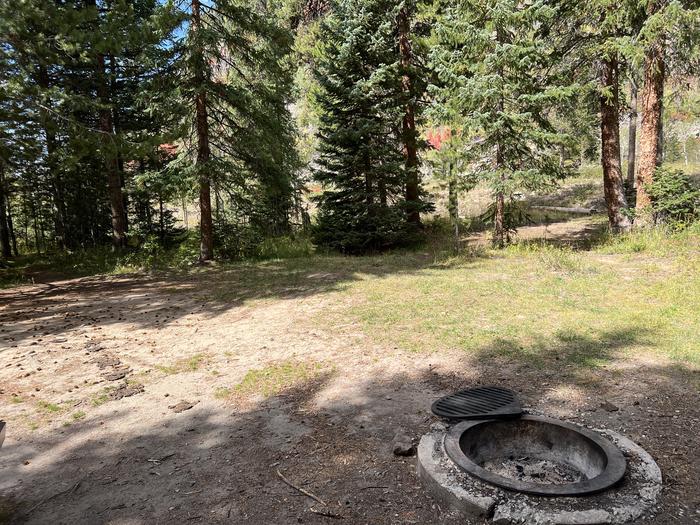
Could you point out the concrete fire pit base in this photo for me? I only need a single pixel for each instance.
(458, 492)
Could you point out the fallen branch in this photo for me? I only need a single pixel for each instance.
(582, 211)
(304, 492)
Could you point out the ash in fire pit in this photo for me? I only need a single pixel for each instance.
(534, 470)
(536, 455)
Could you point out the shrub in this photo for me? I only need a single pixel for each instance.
(675, 200)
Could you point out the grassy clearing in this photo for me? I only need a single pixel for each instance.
(544, 305)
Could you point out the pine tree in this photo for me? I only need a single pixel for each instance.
(368, 153)
(82, 66)
(497, 66)
(612, 27)
(668, 39)
(233, 87)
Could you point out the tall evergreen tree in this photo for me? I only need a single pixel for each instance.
(498, 64)
(368, 158)
(233, 89)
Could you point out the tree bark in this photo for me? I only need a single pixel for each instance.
(206, 226)
(117, 130)
(10, 226)
(651, 128)
(52, 168)
(5, 246)
(409, 134)
(453, 202)
(613, 182)
(499, 226)
(109, 153)
(632, 139)
(114, 182)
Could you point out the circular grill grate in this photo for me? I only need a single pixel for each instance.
(479, 403)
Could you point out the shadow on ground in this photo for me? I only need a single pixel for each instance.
(38, 313)
(218, 462)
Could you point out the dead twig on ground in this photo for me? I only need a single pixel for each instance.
(304, 492)
(160, 460)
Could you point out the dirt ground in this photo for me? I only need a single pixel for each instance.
(191, 448)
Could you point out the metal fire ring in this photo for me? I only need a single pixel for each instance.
(613, 471)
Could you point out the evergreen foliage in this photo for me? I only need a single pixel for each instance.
(115, 113)
(500, 81)
(361, 164)
(675, 199)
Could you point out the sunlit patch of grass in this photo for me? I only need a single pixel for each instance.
(274, 378)
(16, 399)
(189, 364)
(99, 399)
(550, 258)
(540, 305)
(222, 393)
(77, 416)
(48, 407)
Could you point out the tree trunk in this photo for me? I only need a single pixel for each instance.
(499, 226)
(453, 202)
(632, 140)
(409, 134)
(51, 167)
(161, 219)
(613, 183)
(110, 153)
(10, 226)
(651, 129)
(206, 226)
(5, 247)
(499, 232)
(116, 121)
(116, 200)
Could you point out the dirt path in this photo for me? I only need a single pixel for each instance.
(322, 404)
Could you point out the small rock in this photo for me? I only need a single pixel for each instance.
(115, 376)
(182, 406)
(126, 390)
(106, 360)
(403, 445)
(609, 407)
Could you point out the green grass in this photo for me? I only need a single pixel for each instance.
(222, 393)
(48, 407)
(100, 399)
(274, 378)
(189, 364)
(540, 304)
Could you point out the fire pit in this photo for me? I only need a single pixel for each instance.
(536, 455)
(488, 459)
